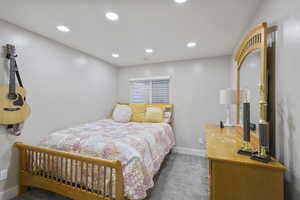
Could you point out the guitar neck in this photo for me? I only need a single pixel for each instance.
(12, 77)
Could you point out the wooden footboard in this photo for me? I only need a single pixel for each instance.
(72, 175)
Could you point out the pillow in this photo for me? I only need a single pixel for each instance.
(167, 115)
(154, 114)
(122, 113)
(138, 112)
(167, 111)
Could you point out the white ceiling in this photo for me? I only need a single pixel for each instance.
(216, 26)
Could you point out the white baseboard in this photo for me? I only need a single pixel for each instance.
(10, 193)
(189, 151)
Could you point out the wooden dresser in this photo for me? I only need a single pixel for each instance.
(236, 177)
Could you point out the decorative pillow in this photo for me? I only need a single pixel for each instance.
(154, 114)
(167, 115)
(122, 113)
(138, 112)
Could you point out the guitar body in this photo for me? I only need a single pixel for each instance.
(13, 111)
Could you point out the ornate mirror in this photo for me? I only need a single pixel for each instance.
(252, 89)
(251, 61)
(249, 81)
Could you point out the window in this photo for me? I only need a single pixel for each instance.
(152, 90)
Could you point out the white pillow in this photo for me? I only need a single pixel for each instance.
(167, 117)
(122, 113)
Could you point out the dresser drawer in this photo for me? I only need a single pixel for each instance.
(232, 181)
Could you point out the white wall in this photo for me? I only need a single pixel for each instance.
(195, 89)
(65, 87)
(285, 14)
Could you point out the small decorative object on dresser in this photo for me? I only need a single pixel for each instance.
(246, 148)
(228, 98)
(221, 124)
(262, 154)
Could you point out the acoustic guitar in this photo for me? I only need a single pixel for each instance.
(13, 106)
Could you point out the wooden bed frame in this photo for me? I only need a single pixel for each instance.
(56, 178)
(48, 169)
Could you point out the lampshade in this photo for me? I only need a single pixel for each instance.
(228, 96)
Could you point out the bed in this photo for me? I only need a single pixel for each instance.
(102, 160)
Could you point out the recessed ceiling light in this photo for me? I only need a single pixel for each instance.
(149, 50)
(115, 55)
(191, 44)
(62, 28)
(180, 1)
(112, 16)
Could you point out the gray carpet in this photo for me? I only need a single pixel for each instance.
(181, 177)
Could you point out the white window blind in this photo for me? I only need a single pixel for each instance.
(155, 90)
(139, 91)
(160, 91)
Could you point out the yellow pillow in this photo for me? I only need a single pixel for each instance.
(154, 114)
(138, 112)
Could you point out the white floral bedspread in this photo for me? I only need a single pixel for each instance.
(141, 148)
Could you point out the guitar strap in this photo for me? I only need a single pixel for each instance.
(19, 78)
(18, 74)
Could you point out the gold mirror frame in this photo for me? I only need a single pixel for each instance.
(255, 39)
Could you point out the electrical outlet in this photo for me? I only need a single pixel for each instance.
(3, 174)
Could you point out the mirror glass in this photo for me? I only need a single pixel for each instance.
(249, 81)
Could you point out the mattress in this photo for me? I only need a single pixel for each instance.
(141, 148)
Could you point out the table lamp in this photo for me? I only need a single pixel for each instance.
(228, 98)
